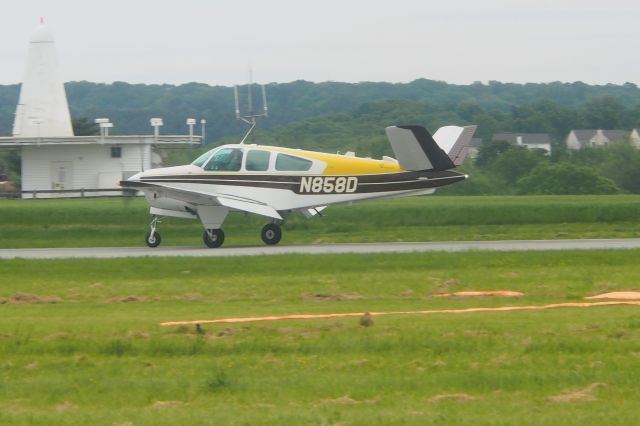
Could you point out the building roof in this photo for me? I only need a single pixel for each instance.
(616, 135)
(585, 135)
(162, 140)
(526, 138)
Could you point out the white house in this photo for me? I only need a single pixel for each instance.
(578, 139)
(635, 137)
(53, 159)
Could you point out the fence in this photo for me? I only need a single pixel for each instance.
(68, 193)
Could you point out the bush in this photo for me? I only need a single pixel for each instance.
(565, 179)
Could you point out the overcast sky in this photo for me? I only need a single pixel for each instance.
(213, 41)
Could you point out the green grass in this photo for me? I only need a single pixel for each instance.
(116, 222)
(97, 355)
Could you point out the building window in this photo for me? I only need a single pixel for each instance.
(116, 152)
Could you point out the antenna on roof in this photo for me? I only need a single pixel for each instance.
(250, 117)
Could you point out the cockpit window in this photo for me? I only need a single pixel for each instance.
(289, 163)
(202, 159)
(257, 161)
(227, 160)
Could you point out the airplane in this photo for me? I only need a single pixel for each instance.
(276, 182)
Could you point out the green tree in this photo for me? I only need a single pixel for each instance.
(603, 112)
(515, 163)
(84, 127)
(565, 179)
(622, 165)
(489, 151)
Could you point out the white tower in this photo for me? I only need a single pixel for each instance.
(42, 110)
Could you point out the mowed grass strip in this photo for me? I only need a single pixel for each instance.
(124, 222)
(80, 341)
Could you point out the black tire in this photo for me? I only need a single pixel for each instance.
(271, 234)
(153, 240)
(215, 240)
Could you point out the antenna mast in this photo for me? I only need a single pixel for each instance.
(250, 117)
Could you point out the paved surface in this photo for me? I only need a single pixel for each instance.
(455, 246)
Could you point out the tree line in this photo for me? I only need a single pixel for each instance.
(343, 117)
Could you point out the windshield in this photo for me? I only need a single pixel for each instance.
(202, 159)
(226, 159)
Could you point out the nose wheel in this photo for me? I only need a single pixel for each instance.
(153, 236)
(271, 234)
(213, 238)
(153, 239)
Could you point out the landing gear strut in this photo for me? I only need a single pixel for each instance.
(153, 237)
(271, 234)
(213, 238)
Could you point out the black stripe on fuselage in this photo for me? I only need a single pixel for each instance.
(353, 184)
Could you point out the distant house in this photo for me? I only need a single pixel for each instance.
(578, 139)
(635, 138)
(528, 140)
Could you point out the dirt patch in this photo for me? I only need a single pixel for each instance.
(133, 334)
(322, 297)
(167, 404)
(126, 299)
(629, 295)
(33, 366)
(264, 405)
(343, 400)
(501, 293)
(192, 296)
(582, 395)
(65, 406)
(63, 335)
(27, 298)
(452, 397)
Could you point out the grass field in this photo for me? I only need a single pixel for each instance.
(80, 341)
(115, 222)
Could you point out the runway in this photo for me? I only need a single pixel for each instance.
(445, 246)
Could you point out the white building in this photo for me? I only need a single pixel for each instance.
(578, 139)
(55, 163)
(635, 138)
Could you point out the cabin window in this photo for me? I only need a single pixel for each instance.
(257, 161)
(202, 159)
(225, 160)
(289, 163)
(116, 152)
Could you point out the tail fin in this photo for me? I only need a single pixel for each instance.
(416, 149)
(455, 141)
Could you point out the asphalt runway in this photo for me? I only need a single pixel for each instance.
(451, 246)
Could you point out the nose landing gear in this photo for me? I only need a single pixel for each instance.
(153, 237)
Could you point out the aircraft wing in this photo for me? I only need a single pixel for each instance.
(249, 206)
(207, 199)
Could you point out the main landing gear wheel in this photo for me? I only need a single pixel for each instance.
(271, 234)
(153, 239)
(213, 238)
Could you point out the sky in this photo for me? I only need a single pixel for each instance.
(216, 41)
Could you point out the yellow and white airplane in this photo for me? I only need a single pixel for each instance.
(275, 182)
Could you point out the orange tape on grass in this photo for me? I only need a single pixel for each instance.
(429, 312)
